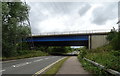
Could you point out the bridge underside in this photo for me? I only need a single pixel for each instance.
(59, 40)
(61, 43)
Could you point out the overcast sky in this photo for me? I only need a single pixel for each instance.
(72, 16)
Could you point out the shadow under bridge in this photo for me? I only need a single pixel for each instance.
(58, 40)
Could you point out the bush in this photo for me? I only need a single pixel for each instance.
(116, 42)
(58, 50)
(23, 52)
(83, 52)
(111, 35)
(116, 53)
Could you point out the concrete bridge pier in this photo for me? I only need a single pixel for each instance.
(96, 41)
(89, 42)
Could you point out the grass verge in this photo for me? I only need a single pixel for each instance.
(95, 71)
(27, 55)
(104, 56)
(54, 69)
(107, 59)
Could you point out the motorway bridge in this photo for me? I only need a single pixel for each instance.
(90, 40)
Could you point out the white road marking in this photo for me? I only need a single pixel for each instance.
(34, 57)
(22, 64)
(13, 65)
(28, 62)
(46, 58)
(37, 60)
(2, 70)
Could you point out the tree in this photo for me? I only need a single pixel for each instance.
(111, 34)
(116, 42)
(14, 27)
(114, 38)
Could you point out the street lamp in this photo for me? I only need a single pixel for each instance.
(118, 16)
(118, 25)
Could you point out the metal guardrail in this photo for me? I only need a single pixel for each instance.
(116, 73)
(74, 32)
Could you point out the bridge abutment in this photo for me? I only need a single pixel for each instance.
(96, 41)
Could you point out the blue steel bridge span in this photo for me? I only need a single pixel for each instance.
(59, 40)
(79, 39)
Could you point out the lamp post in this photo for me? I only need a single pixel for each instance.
(118, 25)
(118, 16)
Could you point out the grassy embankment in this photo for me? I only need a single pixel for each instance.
(104, 56)
(55, 68)
(26, 54)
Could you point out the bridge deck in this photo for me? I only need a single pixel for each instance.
(69, 34)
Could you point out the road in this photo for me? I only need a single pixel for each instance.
(28, 66)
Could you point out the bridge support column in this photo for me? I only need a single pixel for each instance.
(89, 42)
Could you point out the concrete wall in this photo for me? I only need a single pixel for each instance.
(97, 41)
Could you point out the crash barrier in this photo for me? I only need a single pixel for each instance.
(116, 73)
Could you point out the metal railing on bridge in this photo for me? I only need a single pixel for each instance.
(75, 32)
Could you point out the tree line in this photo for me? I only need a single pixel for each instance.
(14, 26)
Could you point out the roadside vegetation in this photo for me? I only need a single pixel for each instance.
(107, 55)
(26, 54)
(58, 50)
(15, 29)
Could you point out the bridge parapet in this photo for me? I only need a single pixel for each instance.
(82, 32)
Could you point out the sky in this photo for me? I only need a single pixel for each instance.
(72, 16)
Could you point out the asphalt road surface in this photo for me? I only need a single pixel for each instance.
(28, 66)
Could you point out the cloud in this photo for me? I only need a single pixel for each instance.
(53, 25)
(71, 16)
(48, 14)
(84, 8)
(104, 13)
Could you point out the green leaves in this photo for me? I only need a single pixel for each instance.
(105, 56)
(116, 42)
(114, 38)
(111, 35)
(14, 26)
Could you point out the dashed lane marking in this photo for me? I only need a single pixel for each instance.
(2, 70)
(22, 64)
(28, 62)
(46, 58)
(37, 60)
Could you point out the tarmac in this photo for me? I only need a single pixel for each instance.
(72, 66)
